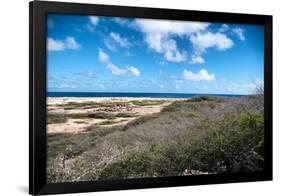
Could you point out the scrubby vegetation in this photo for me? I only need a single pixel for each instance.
(97, 115)
(147, 102)
(222, 148)
(203, 135)
(62, 118)
(56, 118)
(92, 104)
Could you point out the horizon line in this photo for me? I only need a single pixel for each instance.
(149, 93)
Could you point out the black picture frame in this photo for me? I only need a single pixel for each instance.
(37, 96)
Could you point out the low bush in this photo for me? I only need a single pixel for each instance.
(97, 115)
(132, 166)
(202, 98)
(173, 107)
(147, 102)
(232, 144)
(126, 115)
(192, 114)
(56, 118)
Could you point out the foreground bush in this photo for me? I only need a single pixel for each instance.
(233, 143)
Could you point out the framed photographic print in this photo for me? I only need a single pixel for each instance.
(131, 97)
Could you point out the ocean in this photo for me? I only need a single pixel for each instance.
(124, 94)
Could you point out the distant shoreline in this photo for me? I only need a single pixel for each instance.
(64, 100)
(131, 95)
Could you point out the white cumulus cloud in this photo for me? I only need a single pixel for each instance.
(70, 43)
(133, 71)
(103, 57)
(60, 45)
(224, 28)
(159, 36)
(108, 43)
(94, 20)
(120, 21)
(202, 75)
(115, 40)
(202, 41)
(115, 70)
(166, 46)
(196, 59)
(153, 26)
(55, 45)
(123, 42)
(240, 33)
(124, 22)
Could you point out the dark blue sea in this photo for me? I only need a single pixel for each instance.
(123, 94)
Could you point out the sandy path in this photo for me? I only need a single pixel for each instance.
(71, 125)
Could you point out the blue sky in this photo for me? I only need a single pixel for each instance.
(110, 54)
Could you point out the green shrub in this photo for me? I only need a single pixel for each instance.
(147, 102)
(126, 115)
(202, 98)
(230, 144)
(100, 115)
(173, 107)
(181, 105)
(69, 108)
(107, 122)
(56, 118)
(80, 104)
(97, 115)
(112, 104)
(192, 114)
(132, 166)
